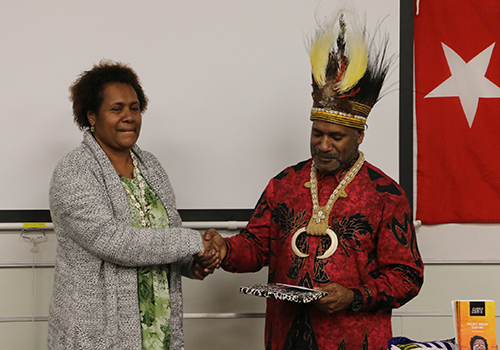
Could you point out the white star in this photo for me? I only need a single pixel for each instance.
(467, 81)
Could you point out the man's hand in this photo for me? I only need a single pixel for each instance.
(214, 240)
(339, 298)
(215, 250)
(205, 263)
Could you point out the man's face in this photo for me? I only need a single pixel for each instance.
(333, 146)
(479, 345)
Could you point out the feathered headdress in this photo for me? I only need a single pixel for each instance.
(347, 73)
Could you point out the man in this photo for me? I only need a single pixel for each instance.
(478, 343)
(334, 222)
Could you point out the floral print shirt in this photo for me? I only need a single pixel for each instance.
(154, 298)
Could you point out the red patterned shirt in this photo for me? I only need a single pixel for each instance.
(377, 254)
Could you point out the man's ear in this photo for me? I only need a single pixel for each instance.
(361, 136)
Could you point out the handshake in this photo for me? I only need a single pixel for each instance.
(215, 251)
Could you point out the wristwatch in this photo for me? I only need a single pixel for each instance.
(357, 303)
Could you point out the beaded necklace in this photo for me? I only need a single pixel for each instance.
(319, 220)
(318, 225)
(142, 208)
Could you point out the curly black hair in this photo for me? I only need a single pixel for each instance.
(478, 337)
(87, 92)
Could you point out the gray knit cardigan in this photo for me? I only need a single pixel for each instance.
(95, 301)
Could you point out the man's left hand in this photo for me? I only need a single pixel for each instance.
(339, 298)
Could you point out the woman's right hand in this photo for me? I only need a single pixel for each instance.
(204, 264)
(215, 250)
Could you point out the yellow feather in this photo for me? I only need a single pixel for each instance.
(320, 49)
(358, 58)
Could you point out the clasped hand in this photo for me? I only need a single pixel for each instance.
(215, 250)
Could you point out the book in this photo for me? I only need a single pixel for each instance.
(285, 292)
(474, 324)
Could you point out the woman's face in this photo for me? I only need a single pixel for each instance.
(118, 123)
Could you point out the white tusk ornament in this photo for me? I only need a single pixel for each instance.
(294, 243)
(329, 252)
(333, 246)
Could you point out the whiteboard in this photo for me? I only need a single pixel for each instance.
(228, 83)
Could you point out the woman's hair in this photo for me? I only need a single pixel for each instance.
(87, 92)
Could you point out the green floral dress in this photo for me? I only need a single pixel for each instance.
(153, 289)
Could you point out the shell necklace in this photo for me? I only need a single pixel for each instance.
(318, 225)
(142, 208)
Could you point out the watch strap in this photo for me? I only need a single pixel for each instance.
(358, 302)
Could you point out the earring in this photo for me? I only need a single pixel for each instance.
(92, 128)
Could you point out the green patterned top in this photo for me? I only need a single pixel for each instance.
(154, 297)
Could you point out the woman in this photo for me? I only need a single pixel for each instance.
(121, 248)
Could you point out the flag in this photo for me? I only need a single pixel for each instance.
(457, 107)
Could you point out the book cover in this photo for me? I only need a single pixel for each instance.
(475, 324)
(284, 292)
